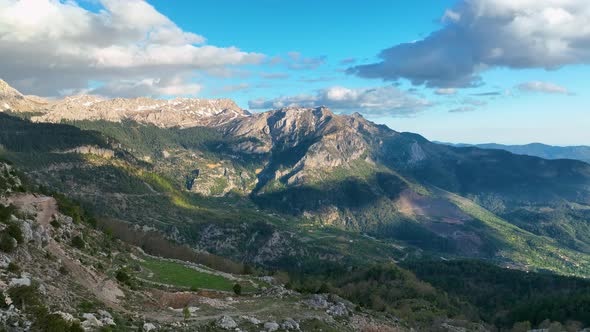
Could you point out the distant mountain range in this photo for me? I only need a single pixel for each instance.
(579, 152)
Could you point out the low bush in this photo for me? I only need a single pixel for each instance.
(13, 267)
(237, 289)
(78, 242)
(15, 231)
(7, 243)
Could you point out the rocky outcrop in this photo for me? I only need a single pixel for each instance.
(227, 323)
(302, 141)
(94, 150)
(13, 101)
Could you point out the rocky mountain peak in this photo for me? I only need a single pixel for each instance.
(7, 90)
(179, 112)
(12, 100)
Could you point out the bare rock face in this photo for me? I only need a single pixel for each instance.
(312, 138)
(180, 112)
(13, 101)
(94, 150)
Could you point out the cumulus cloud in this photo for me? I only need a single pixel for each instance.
(49, 46)
(175, 86)
(481, 34)
(387, 100)
(542, 87)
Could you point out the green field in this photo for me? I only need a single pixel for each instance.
(176, 274)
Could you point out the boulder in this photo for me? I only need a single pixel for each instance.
(40, 236)
(251, 320)
(290, 324)
(271, 326)
(90, 321)
(16, 282)
(65, 316)
(4, 261)
(227, 323)
(149, 327)
(104, 313)
(338, 310)
(26, 230)
(317, 301)
(108, 321)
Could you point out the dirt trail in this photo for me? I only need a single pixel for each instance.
(45, 207)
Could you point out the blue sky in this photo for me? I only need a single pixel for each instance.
(458, 71)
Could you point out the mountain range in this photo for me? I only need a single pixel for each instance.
(301, 190)
(544, 151)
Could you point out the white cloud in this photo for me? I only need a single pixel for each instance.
(274, 76)
(176, 86)
(542, 87)
(49, 46)
(474, 102)
(463, 109)
(233, 88)
(374, 101)
(445, 91)
(481, 34)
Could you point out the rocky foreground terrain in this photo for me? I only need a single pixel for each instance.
(57, 274)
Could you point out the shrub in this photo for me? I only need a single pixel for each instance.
(27, 295)
(6, 212)
(13, 267)
(87, 306)
(521, 327)
(3, 304)
(55, 323)
(324, 288)
(76, 327)
(14, 230)
(237, 289)
(186, 313)
(78, 242)
(55, 223)
(7, 243)
(124, 278)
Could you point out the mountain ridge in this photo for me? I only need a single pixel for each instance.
(179, 112)
(545, 151)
